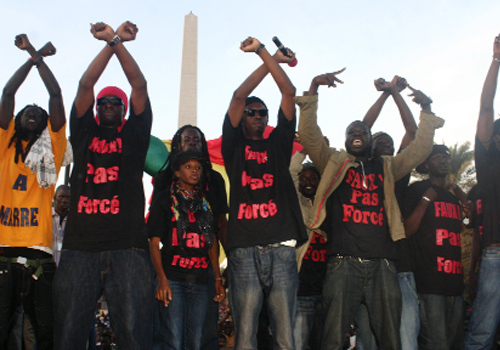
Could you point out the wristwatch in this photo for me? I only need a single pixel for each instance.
(115, 41)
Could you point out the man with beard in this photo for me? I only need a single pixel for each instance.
(362, 219)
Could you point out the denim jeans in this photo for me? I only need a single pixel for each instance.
(210, 338)
(181, 323)
(365, 340)
(441, 322)
(410, 324)
(486, 308)
(18, 287)
(125, 276)
(350, 282)
(253, 272)
(309, 322)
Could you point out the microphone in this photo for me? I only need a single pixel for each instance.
(284, 51)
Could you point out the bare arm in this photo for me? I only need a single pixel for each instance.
(127, 32)
(485, 121)
(374, 111)
(237, 105)
(413, 221)
(7, 101)
(56, 106)
(405, 112)
(394, 89)
(213, 254)
(85, 94)
(163, 292)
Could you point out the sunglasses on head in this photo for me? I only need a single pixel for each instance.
(252, 112)
(114, 101)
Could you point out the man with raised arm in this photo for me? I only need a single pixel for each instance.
(486, 307)
(391, 88)
(383, 145)
(105, 247)
(26, 191)
(265, 222)
(360, 214)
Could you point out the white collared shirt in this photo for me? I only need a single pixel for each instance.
(57, 234)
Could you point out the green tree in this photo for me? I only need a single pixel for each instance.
(462, 170)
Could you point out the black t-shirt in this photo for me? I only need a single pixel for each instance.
(356, 221)
(215, 190)
(107, 196)
(488, 170)
(182, 262)
(404, 262)
(264, 208)
(476, 221)
(313, 269)
(436, 246)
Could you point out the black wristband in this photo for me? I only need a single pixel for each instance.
(259, 49)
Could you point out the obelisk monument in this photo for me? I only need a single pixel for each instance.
(188, 101)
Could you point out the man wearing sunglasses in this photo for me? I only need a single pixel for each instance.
(105, 244)
(265, 222)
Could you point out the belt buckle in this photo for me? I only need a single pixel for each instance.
(22, 260)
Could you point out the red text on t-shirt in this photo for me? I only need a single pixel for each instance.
(260, 157)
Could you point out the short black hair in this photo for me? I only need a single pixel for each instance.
(310, 166)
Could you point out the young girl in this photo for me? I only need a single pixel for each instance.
(181, 219)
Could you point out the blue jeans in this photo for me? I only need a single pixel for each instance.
(365, 340)
(210, 338)
(410, 324)
(309, 322)
(486, 307)
(441, 322)
(254, 271)
(125, 276)
(350, 282)
(182, 321)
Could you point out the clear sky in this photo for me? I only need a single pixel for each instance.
(443, 48)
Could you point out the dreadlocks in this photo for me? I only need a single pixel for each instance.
(164, 177)
(21, 135)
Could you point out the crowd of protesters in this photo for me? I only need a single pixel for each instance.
(339, 252)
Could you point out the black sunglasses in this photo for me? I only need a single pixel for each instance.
(114, 101)
(251, 112)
